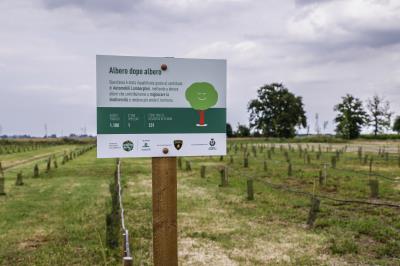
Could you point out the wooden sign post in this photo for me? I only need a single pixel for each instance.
(165, 235)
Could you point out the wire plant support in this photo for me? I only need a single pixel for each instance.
(127, 256)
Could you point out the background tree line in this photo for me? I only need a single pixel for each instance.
(276, 112)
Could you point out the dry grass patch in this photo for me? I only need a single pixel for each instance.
(39, 238)
(202, 252)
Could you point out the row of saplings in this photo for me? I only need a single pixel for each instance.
(223, 170)
(52, 160)
(10, 149)
(315, 202)
(303, 153)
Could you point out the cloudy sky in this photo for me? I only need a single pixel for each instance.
(320, 50)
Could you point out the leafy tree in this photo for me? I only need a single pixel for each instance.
(242, 131)
(396, 125)
(379, 113)
(276, 112)
(256, 134)
(229, 131)
(351, 117)
(201, 96)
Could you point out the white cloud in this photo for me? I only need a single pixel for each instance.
(241, 53)
(346, 21)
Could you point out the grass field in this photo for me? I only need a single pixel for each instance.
(59, 218)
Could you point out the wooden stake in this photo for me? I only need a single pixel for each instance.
(19, 181)
(2, 181)
(165, 240)
(314, 209)
(203, 171)
(246, 162)
(250, 190)
(36, 171)
(224, 176)
(374, 186)
(188, 166)
(320, 178)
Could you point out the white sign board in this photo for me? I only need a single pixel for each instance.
(146, 104)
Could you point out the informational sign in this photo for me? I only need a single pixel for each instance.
(156, 106)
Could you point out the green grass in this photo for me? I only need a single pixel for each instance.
(59, 218)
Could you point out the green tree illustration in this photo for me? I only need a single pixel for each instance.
(201, 96)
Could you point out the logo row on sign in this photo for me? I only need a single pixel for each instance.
(128, 145)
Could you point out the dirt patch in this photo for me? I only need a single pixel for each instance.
(34, 242)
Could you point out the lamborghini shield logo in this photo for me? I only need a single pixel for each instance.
(178, 144)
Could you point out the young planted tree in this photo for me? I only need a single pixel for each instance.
(242, 131)
(379, 114)
(351, 117)
(396, 125)
(276, 112)
(201, 96)
(229, 131)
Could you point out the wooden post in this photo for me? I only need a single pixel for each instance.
(320, 178)
(2, 179)
(188, 166)
(19, 181)
(374, 186)
(224, 177)
(333, 162)
(164, 186)
(246, 162)
(360, 154)
(36, 171)
(203, 171)
(55, 164)
(250, 190)
(289, 169)
(314, 209)
(48, 167)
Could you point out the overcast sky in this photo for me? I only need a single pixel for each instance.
(320, 50)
